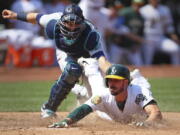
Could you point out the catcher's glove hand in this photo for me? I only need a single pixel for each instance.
(61, 124)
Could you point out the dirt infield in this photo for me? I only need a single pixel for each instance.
(31, 124)
(28, 123)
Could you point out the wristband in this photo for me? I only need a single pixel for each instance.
(22, 16)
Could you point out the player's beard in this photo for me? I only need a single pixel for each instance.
(115, 92)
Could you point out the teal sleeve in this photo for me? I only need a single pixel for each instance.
(80, 112)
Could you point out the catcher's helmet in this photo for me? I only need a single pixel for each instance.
(72, 22)
(117, 71)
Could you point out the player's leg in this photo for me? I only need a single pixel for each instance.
(93, 74)
(138, 79)
(135, 57)
(148, 51)
(81, 91)
(61, 88)
(116, 53)
(92, 80)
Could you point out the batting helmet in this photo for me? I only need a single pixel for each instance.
(72, 22)
(117, 71)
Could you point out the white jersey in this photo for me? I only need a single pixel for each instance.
(137, 98)
(157, 21)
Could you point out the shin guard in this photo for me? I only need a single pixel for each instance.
(63, 86)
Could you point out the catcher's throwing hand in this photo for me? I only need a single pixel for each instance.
(8, 14)
(61, 124)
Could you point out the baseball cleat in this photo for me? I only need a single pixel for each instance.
(47, 113)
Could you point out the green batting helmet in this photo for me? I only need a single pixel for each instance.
(117, 71)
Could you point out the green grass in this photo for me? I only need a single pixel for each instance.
(29, 96)
(167, 93)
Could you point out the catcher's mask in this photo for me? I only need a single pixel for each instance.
(72, 22)
(117, 71)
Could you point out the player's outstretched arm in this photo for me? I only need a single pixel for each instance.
(154, 117)
(154, 113)
(27, 17)
(73, 117)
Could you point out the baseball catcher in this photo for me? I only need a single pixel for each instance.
(75, 37)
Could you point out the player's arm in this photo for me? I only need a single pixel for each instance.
(95, 49)
(104, 64)
(73, 117)
(153, 111)
(146, 101)
(28, 17)
(124, 30)
(149, 104)
(154, 115)
(135, 37)
(34, 18)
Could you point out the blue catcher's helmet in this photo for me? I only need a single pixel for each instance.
(72, 22)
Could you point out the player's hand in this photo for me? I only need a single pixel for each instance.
(61, 124)
(8, 14)
(139, 124)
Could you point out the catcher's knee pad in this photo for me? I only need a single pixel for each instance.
(62, 87)
(71, 73)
